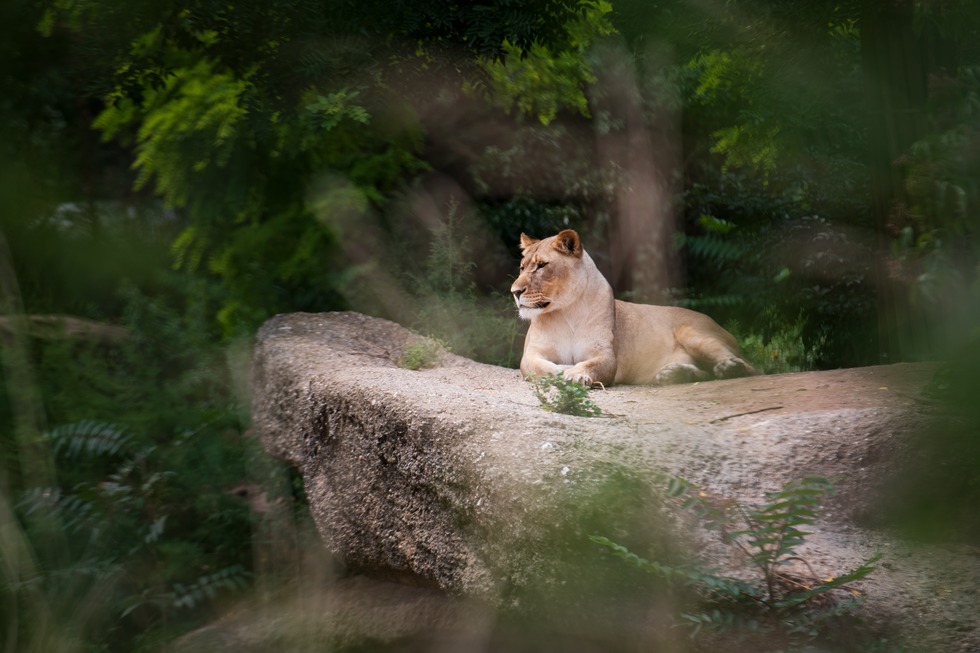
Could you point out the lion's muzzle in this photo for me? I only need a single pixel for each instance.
(529, 300)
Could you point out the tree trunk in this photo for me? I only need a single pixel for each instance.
(895, 86)
(897, 57)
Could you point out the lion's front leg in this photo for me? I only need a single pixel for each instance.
(581, 374)
(591, 372)
(537, 365)
(597, 370)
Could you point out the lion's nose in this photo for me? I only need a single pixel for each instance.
(517, 292)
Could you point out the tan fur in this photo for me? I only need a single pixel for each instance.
(579, 328)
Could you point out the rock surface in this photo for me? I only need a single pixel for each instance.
(454, 477)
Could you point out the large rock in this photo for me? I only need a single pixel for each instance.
(454, 477)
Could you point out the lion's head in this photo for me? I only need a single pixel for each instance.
(550, 269)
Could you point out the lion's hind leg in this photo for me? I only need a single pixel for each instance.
(731, 368)
(717, 353)
(673, 373)
(680, 368)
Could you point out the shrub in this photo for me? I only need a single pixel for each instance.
(123, 514)
(422, 352)
(560, 395)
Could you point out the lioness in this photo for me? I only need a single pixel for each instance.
(578, 327)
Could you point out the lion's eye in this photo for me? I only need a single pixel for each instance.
(541, 264)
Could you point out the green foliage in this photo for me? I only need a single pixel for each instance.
(330, 110)
(783, 351)
(560, 395)
(130, 507)
(208, 587)
(774, 150)
(479, 29)
(236, 112)
(422, 353)
(755, 92)
(221, 140)
(479, 329)
(448, 267)
(540, 81)
(730, 78)
(188, 127)
(780, 277)
(783, 595)
(936, 234)
(932, 498)
(137, 523)
(277, 131)
(87, 436)
(445, 301)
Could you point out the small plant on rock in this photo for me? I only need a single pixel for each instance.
(560, 395)
(423, 352)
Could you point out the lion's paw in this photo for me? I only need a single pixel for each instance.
(579, 377)
(679, 373)
(731, 368)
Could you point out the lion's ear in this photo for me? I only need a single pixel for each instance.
(527, 241)
(568, 242)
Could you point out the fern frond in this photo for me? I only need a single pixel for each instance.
(702, 303)
(774, 531)
(731, 588)
(720, 620)
(72, 513)
(714, 248)
(837, 583)
(88, 438)
(208, 587)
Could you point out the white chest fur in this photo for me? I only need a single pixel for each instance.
(570, 336)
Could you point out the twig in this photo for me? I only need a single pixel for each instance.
(748, 412)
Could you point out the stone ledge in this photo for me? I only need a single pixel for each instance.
(454, 477)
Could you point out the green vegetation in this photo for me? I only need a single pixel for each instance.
(783, 595)
(135, 518)
(783, 351)
(560, 395)
(172, 176)
(935, 498)
(444, 300)
(421, 353)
